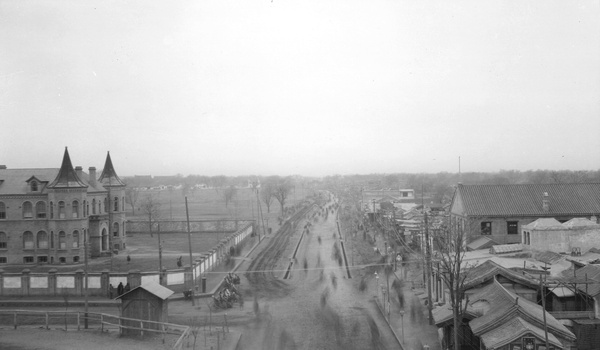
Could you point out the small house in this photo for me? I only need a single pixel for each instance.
(148, 302)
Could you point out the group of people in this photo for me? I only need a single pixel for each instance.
(120, 290)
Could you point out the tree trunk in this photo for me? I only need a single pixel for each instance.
(456, 310)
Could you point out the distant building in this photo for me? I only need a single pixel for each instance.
(46, 214)
(499, 211)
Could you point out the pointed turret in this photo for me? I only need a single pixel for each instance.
(67, 177)
(109, 175)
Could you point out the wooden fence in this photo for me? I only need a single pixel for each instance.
(103, 321)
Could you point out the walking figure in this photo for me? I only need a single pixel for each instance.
(120, 288)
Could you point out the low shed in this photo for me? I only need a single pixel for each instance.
(148, 302)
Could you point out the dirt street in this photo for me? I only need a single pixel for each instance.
(317, 306)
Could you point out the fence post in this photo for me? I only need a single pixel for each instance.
(78, 323)
(163, 332)
(102, 322)
(142, 328)
(15, 320)
(47, 321)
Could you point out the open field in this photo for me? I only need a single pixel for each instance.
(209, 204)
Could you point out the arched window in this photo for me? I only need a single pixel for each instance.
(94, 206)
(42, 240)
(104, 239)
(34, 186)
(123, 203)
(2, 211)
(40, 210)
(61, 210)
(3, 241)
(28, 240)
(75, 209)
(116, 229)
(84, 208)
(106, 208)
(52, 239)
(116, 204)
(62, 240)
(27, 210)
(75, 239)
(51, 210)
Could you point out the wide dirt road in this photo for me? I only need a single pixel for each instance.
(317, 306)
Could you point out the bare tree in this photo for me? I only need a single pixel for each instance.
(450, 248)
(266, 194)
(229, 193)
(132, 194)
(218, 182)
(151, 208)
(281, 191)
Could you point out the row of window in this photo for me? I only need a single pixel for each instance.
(40, 259)
(41, 212)
(41, 239)
(512, 227)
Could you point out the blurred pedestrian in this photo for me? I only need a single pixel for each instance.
(120, 288)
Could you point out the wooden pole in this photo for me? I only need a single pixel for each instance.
(187, 214)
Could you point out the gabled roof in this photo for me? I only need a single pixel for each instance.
(152, 288)
(526, 199)
(506, 306)
(67, 177)
(489, 270)
(109, 175)
(512, 330)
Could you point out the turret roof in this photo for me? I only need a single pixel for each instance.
(109, 175)
(67, 177)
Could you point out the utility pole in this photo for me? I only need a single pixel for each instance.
(428, 267)
(160, 274)
(85, 258)
(544, 306)
(427, 258)
(187, 214)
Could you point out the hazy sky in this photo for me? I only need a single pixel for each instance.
(309, 87)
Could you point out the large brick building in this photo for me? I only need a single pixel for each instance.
(499, 211)
(46, 215)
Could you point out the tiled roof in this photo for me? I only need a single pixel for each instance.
(13, 181)
(512, 330)
(506, 306)
(488, 270)
(526, 199)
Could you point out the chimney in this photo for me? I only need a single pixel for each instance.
(546, 203)
(79, 172)
(92, 180)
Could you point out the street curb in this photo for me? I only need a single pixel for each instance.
(388, 323)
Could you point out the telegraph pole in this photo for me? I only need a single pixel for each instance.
(85, 257)
(427, 259)
(160, 274)
(187, 214)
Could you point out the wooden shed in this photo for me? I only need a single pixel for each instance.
(148, 302)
